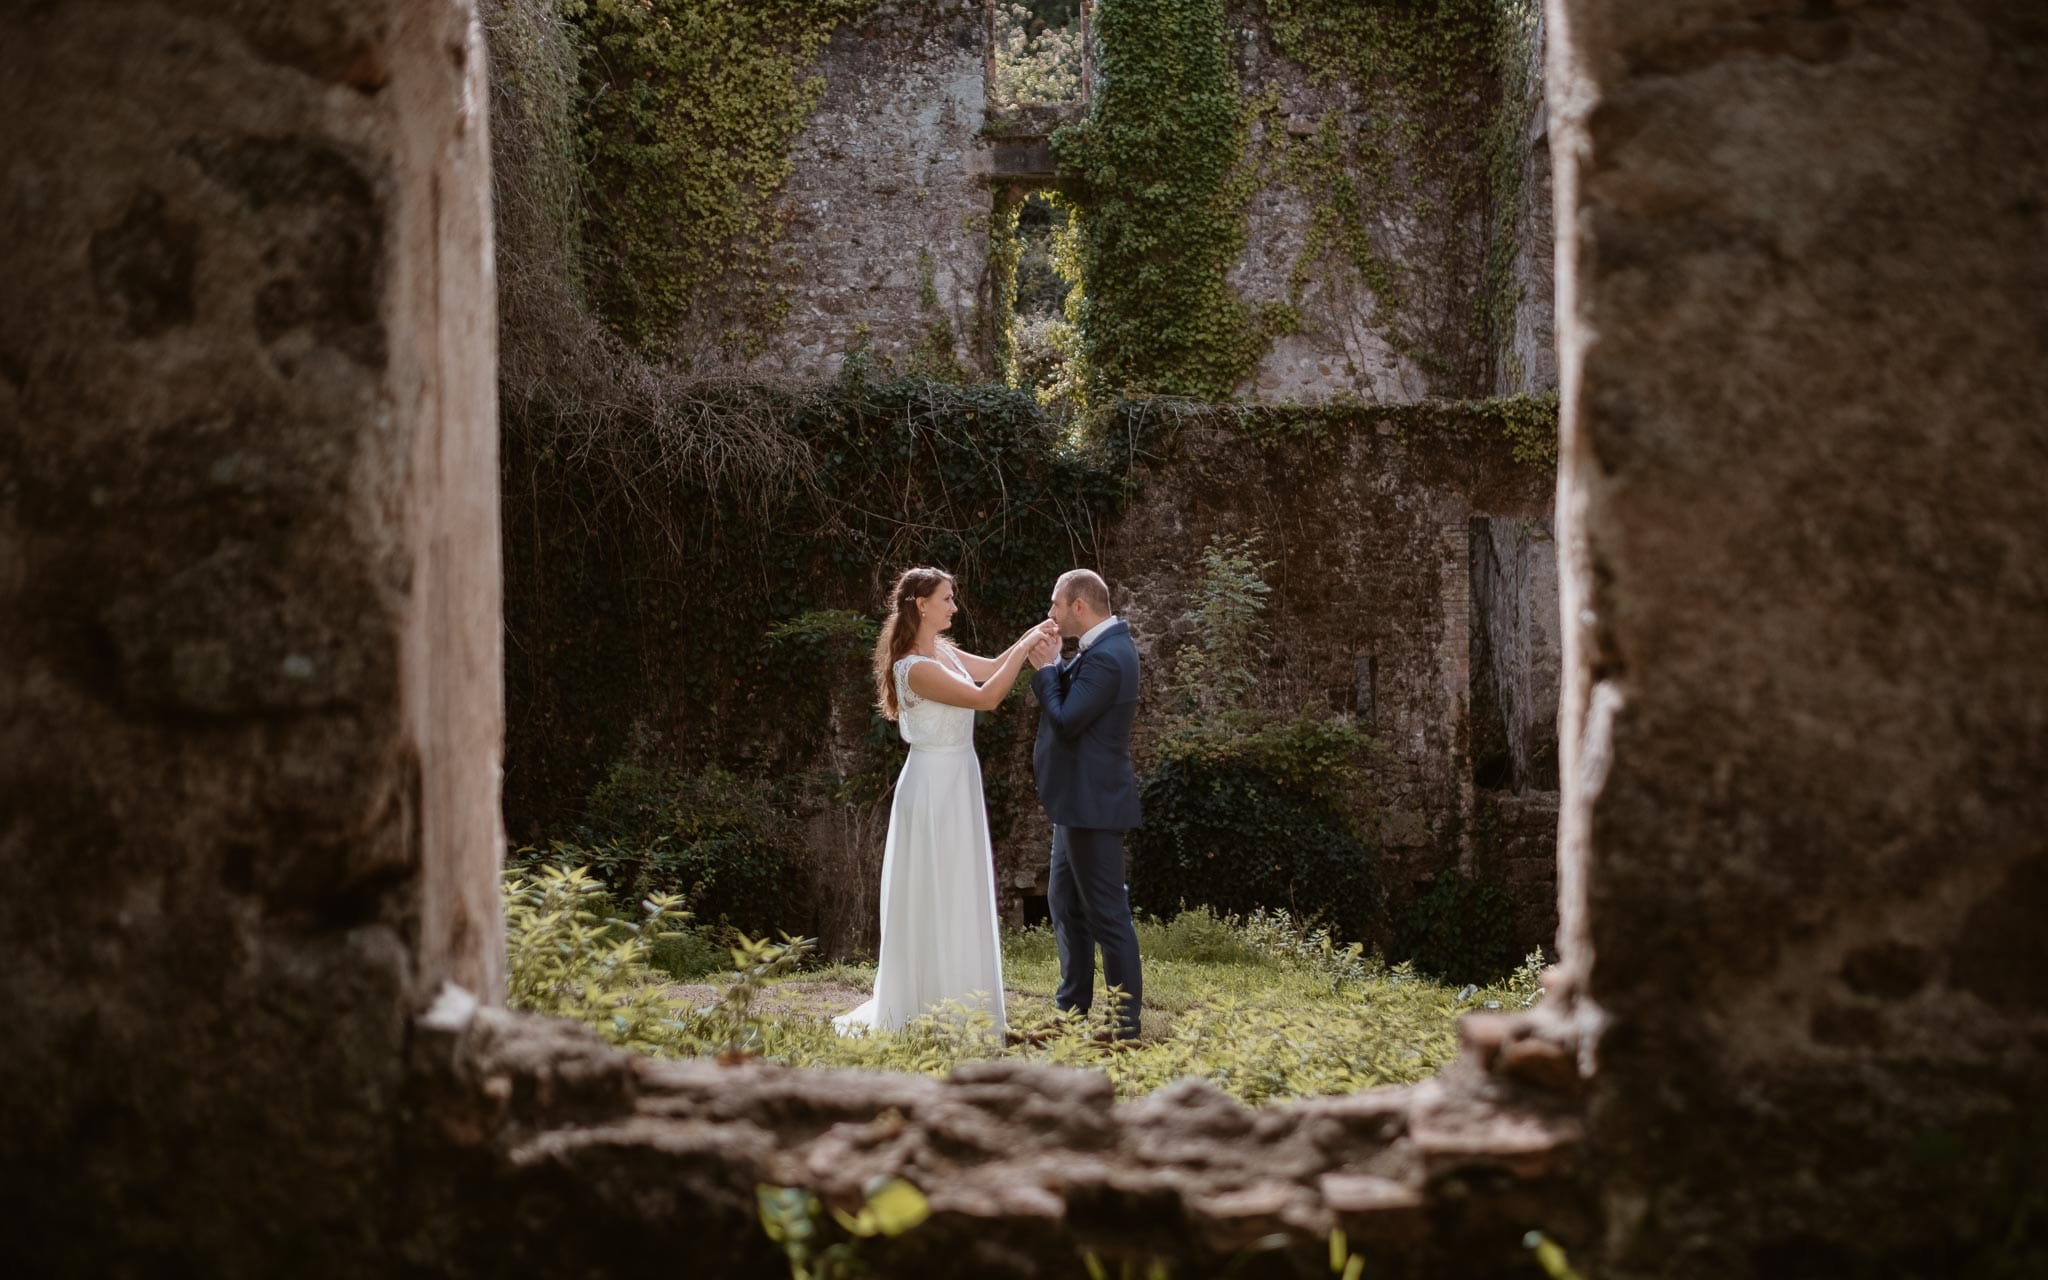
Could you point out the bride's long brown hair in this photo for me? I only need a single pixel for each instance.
(899, 631)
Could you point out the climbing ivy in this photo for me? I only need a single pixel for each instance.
(683, 607)
(1420, 162)
(1402, 192)
(688, 111)
(1160, 206)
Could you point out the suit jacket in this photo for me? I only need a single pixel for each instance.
(1083, 754)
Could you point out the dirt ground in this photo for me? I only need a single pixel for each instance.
(820, 1000)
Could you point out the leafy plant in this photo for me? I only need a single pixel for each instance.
(567, 959)
(718, 840)
(1035, 60)
(1231, 838)
(1213, 671)
(796, 1220)
(565, 956)
(1459, 929)
(1160, 208)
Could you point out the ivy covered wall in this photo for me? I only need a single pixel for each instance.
(700, 517)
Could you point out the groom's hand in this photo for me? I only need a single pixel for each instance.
(1045, 649)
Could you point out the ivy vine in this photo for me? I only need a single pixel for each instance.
(688, 112)
(1160, 202)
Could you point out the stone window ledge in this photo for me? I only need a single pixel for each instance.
(578, 1147)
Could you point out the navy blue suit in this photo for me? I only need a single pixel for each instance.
(1090, 791)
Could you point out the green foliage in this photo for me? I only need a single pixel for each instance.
(567, 957)
(1244, 809)
(1160, 206)
(1213, 671)
(722, 618)
(1528, 422)
(1458, 930)
(1343, 1263)
(1263, 1008)
(1232, 838)
(719, 842)
(1550, 1256)
(1320, 757)
(1036, 59)
(1504, 150)
(796, 1220)
(1449, 431)
(689, 108)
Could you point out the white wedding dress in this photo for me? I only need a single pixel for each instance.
(939, 939)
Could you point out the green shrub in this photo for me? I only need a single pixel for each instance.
(1309, 755)
(1214, 671)
(718, 841)
(566, 955)
(1231, 838)
(1459, 930)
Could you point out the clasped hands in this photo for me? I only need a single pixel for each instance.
(1041, 644)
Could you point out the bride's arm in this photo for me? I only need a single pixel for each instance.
(932, 680)
(982, 669)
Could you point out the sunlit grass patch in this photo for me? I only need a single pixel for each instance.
(1262, 1008)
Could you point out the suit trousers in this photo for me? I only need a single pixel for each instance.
(1090, 907)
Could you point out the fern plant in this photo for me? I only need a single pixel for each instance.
(1215, 671)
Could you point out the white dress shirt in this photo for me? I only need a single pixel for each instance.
(1094, 633)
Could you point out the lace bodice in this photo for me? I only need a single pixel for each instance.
(924, 723)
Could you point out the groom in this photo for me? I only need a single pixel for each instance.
(1090, 791)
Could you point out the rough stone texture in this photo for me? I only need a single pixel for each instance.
(1805, 748)
(889, 204)
(1514, 589)
(248, 613)
(887, 207)
(1343, 346)
(1370, 612)
(541, 1151)
(1529, 362)
(1517, 846)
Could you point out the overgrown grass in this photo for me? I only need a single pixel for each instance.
(1263, 1008)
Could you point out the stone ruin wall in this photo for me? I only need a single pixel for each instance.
(250, 702)
(1805, 742)
(1529, 361)
(888, 211)
(886, 233)
(1516, 640)
(1343, 348)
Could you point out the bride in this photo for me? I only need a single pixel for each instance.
(939, 938)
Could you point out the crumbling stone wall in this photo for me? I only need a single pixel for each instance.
(1805, 716)
(1514, 582)
(542, 1151)
(1343, 346)
(1529, 361)
(888, 208)
(249, 710)
(885, 243)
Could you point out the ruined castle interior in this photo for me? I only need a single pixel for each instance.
(1785, 264)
